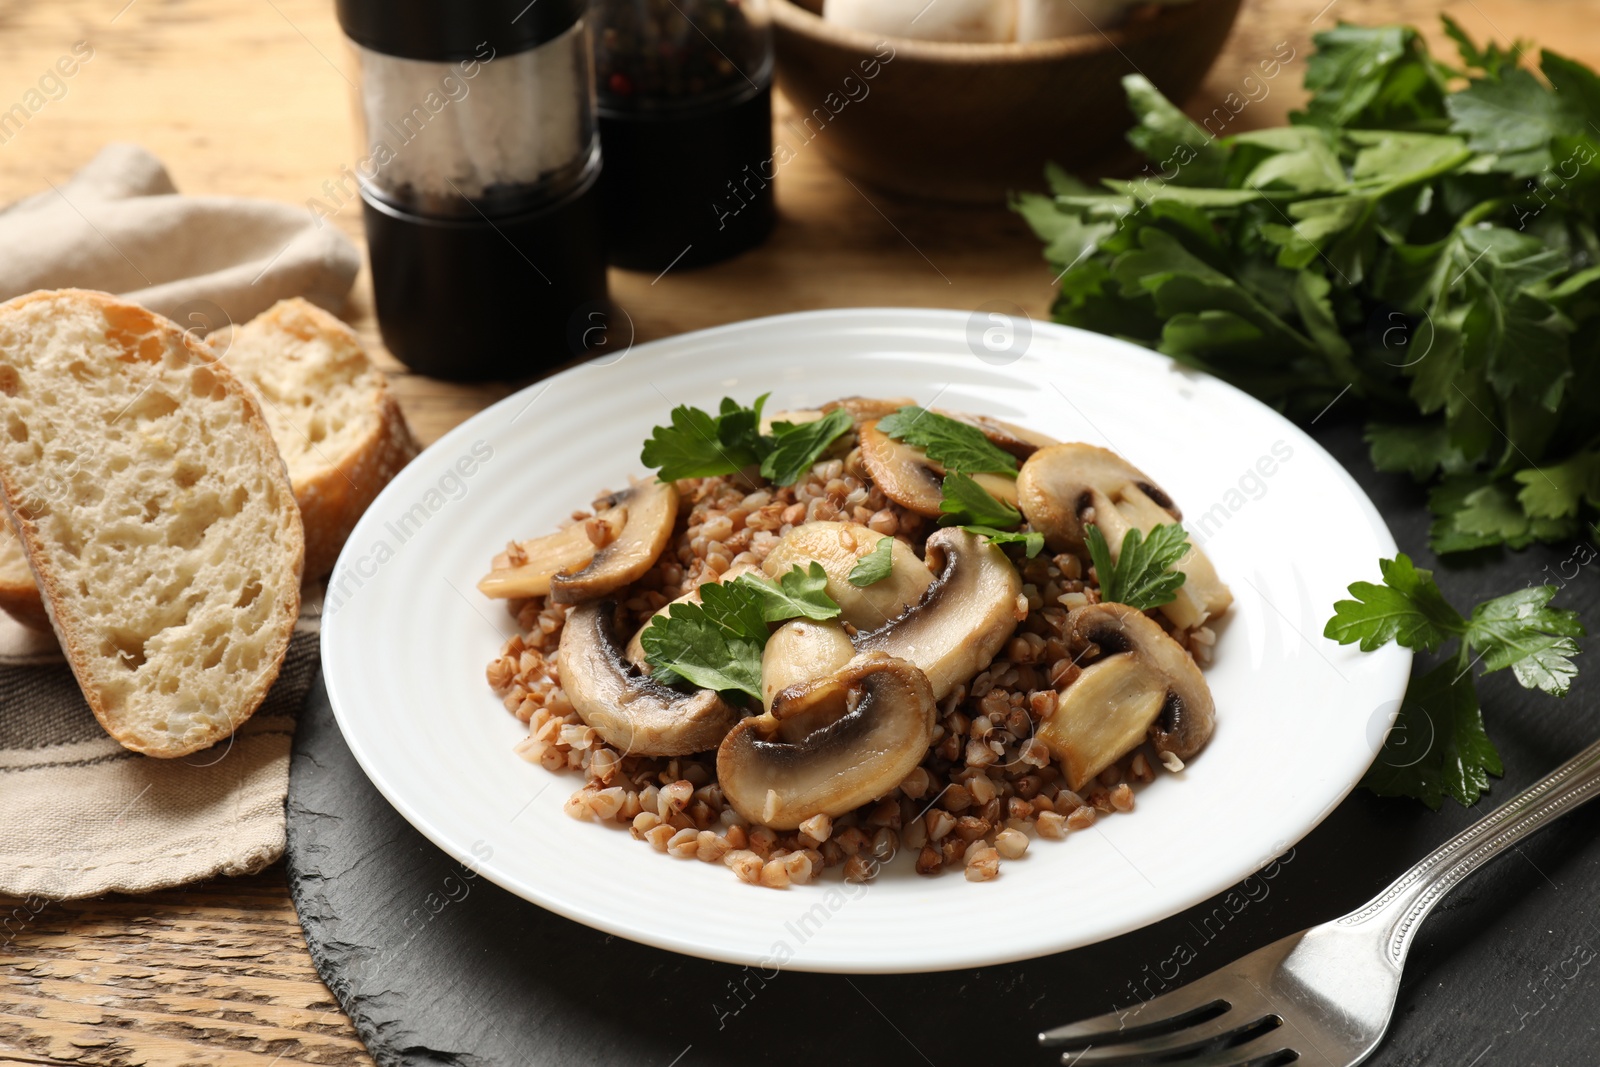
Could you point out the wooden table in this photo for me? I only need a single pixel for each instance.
(249, 97)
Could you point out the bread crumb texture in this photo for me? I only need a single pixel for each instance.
(147, 487)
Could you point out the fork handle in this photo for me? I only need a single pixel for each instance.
(1410, 898)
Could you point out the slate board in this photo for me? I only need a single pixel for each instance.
(436, 966)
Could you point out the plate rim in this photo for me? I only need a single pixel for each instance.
(926, 319)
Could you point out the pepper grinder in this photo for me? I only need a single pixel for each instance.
(685, 95)
(479, 183)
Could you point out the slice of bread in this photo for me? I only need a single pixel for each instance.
(19, 593)
(338, 428)
(156, 514)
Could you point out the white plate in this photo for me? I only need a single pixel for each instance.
(407, 636)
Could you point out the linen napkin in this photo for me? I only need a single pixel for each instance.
(79, 814)
(119, 225)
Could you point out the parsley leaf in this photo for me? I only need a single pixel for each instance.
(717, 643)
(711, 644)
(1437, 746)
(1513, 113)
(966, 503)
(799, 594)
(1520, 631)
(1407, 609)
(796, 446)
(1032, 541)
(699, 445)
(957, 446)
(875, 566)
(1142, 576)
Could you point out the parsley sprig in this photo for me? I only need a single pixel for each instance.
(1438, 746)
(700, 445)
(717, 643)
(1142, 576)
(954, 445)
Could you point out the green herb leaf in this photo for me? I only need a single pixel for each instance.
(1520, 631)
(1407, 609)
(966, 503)
(1165, 134)
(1512, 114)
(957, 446)
(1032, 541)
(796, 446)
(1437, 746)
(1142, 576)
(799, 594)
(717, 643)
(875, 566)
(700, 445)
(711, 644)
(1417, 246)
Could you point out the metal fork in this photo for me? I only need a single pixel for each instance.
(1324, 995)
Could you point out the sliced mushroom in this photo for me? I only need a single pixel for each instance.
(838, 546)
(1064, 488)
(633, 713)
(967, 615)
(567, 550)
(800, 650)
(652, 511)
(911, 479)
(635, 649)
(1141, 684)
(1018, 440)
(877, 717)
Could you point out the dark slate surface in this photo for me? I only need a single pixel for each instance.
(438, 966)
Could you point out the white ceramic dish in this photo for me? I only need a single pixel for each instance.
(407, 636)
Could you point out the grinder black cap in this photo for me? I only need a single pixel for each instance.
(442, 31)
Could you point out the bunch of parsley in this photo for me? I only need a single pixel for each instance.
(1422, 237)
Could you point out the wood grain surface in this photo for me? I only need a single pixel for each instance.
(252, 98)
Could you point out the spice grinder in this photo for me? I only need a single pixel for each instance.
(685, 93)
(479, 180)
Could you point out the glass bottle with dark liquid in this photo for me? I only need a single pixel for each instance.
(685, 105)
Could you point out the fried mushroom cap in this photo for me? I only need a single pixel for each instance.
(800, 650)
(1064, 488)
(964, 619)
(1139, 684)
(631, 711)
(874, 721)
(652, 511)
(839, 546)
(636, 525)
(911, 479)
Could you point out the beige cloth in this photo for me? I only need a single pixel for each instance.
(203, 261)
(79, 814)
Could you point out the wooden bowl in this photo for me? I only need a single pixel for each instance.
(968, 122)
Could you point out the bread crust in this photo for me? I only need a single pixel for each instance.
(332, 501)
(74, 640)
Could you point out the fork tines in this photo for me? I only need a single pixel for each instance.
(1219, 1032)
